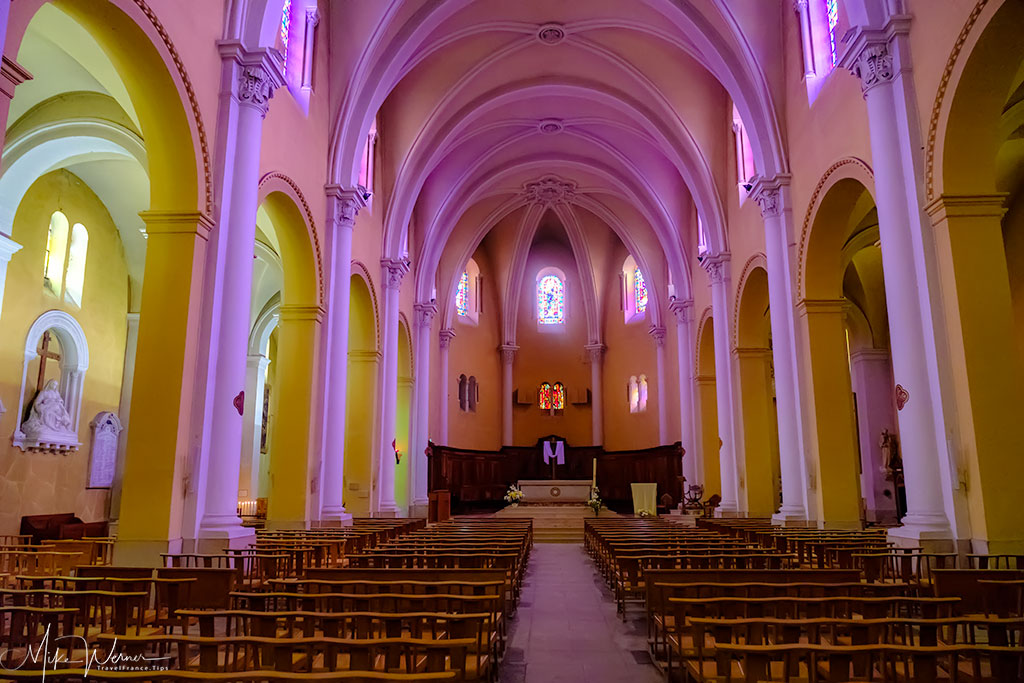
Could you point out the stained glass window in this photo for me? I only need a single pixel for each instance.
(551, 300)
(639, 291)
(462, 295)
(832, 10)
(544, 400)
(286, 24)
(558, 396)
(633, 394)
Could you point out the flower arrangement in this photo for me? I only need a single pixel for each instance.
(594, 502)
(514, 495)
(644, 514)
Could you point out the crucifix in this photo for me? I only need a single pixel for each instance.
(44, 354)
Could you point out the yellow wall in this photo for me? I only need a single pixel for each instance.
(38, 483)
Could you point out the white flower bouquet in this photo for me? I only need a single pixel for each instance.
(515, 495)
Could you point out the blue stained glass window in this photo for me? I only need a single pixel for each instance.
(551, 300)
(286, 24)
(639, 291)
(832, 10)
(462, 295)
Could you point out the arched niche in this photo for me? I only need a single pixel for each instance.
(74, 362)
(363, 368)
(709, 468)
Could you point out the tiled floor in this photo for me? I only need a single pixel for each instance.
(567, 631)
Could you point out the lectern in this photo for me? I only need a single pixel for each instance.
(439, 505)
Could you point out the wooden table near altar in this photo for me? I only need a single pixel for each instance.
(548, 491)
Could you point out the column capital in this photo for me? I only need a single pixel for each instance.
(657, 332)
(683, 310)
(394, 270)
(715, 267)
(313, 16)
(345, 205)
(424, 313)
(12, 74)
(177, 222)
(595, 352)
(259, 73)
(445, 337)
(508, 353)
(967, 206)
(769, 194)
(301, 312)
(800, 6)
(872, 55)
(8, 248)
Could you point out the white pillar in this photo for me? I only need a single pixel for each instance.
(806, 36)
(393, 271)
(772, 197)
(257, 76)
(658, 334)
(444, 343)
(8, 248)
(508, 359)
(595, 352)
(683, 311)
(871, 378)
(425, 313)
(878, 58)
(344, 205)
(718, 268)
(252, 419)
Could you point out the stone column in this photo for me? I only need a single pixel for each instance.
(444, 343)
(252, 419)
(718, 269)
(344, 205)
(393, 271)
(8, 248)
(257, 77)
(806, 36)
(879, 59)
(595, 352)
(683, 311)
(508, 359)
(658, 334)
(123, 414)
(772, 197)
(425, 313)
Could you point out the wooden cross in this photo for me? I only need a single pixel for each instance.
(44, 354)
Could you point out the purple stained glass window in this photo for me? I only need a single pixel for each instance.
(462, 295)
(639, 291)
(832, 11)
(551, 300)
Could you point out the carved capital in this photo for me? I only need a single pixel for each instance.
(769, 203)
(595, 352)
(715, 266)
(683, 310)
(658, 334)
(445, 337)
(873, 65)
(800, 6)
(256, 87)
(549, 190)
(394, 270)
(425, 313)
(313, 16)
(508, 353)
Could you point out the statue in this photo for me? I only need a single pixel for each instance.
(48, 419)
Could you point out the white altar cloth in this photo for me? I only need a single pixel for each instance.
(555, 490)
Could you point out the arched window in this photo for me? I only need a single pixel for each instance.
(462, 295)
(702, 238)
(832, 17)
(550, 300)
(544, 396)
(558, 396)
(77, 252)
(642, 394)
(639, 291)
(463, 393)
(633, 394)
(745, 169)
(368, 164)
(473, 395)
(56, 251)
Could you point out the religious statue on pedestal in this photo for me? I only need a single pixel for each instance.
(48, 420)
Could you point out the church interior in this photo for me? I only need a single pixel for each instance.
(573, 340)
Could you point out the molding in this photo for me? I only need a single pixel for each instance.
(940, 96)
(549, 190)
(967, 206)
(806, 307)
(300, 313)
(394, 271)
(445, 337)
(424, 314)
(683, 310)
(12, 75)
(715, 267)
(508, 353)
(595, 352)
(657, 333)
(177, 223)
(871, 55)
(8, 248)
(758, 260)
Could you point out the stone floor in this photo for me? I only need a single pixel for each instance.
(567, 630)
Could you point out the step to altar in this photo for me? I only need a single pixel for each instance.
(554, 523)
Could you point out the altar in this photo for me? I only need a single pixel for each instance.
(552, 491)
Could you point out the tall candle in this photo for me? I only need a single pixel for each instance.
(594, 482)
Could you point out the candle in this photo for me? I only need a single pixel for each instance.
(594, 482)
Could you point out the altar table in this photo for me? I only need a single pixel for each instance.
(547, 491)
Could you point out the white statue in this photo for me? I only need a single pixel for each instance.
(48, 419)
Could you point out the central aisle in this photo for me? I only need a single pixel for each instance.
(566, 630)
